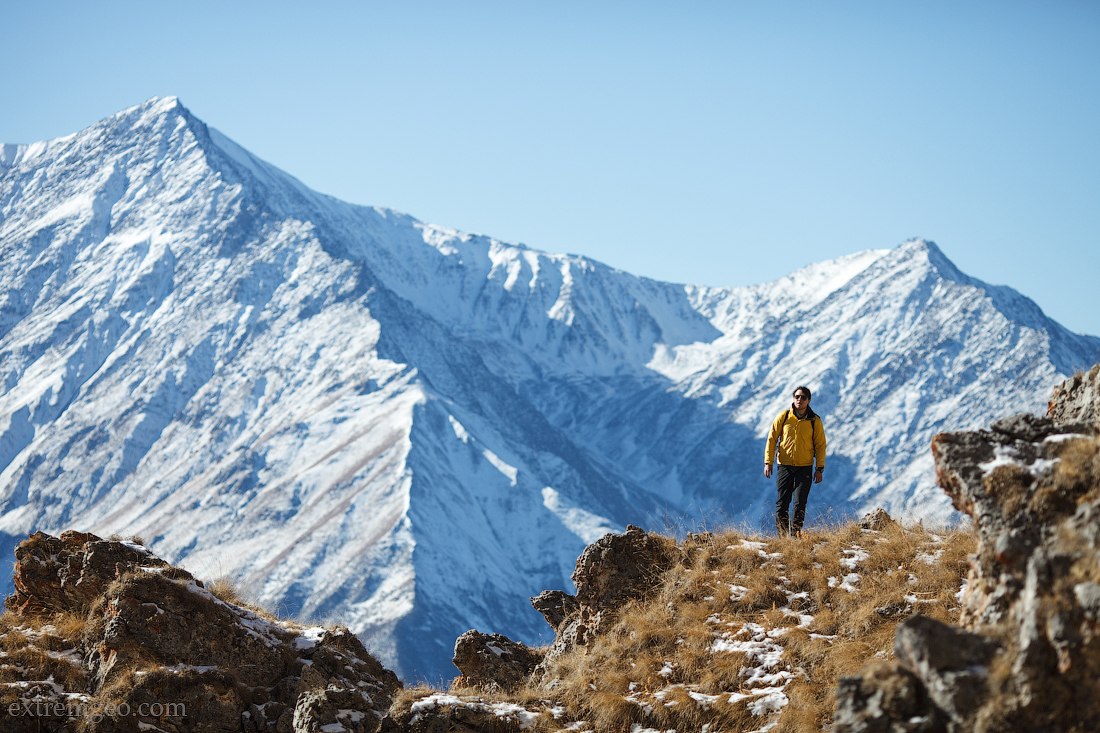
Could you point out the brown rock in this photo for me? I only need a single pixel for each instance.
(555, 606)
(69, 573)
(876, 520)
(493, 662)
(611, 572)
(443, 713)
(158, 643)
(884, 699)
(1077, 400)
(618, 568)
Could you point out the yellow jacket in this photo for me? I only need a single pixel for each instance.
(799, 441)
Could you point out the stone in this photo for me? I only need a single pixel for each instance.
(876, 520)
(952, 664)
(70, 572)
(618, 568)
(555, 606)
(884, 700)
(1077, 400)
(611, 572)
(493, 662)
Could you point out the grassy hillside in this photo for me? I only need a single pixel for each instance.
(746, 633)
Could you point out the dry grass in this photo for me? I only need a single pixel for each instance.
(683, 658)
(43, 647)
(226, 590)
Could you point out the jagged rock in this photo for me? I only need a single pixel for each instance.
(611, 572)
(884, 700)
(952, 664)
(70, 572)
(1077, 400)
(149, 618)
(876, 520)
(154, 636)
(1032, 486)
(555, 606)
(493, 661)
(322, 710)
(620, 567)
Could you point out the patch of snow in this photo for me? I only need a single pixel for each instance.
(309, 638)
(737, 592)
(854, 556)
(929, 558)
(848, 583)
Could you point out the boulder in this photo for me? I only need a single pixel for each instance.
(555, 606)
(618, 568)
(884, 699)
(71, 572)
(876, 520)
(1077, 400)
(493, 662)
(611, 572)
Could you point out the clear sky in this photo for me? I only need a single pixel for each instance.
(719, 143)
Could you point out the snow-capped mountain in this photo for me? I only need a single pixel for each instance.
(368, 419)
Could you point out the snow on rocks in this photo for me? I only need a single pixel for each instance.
(455, 708)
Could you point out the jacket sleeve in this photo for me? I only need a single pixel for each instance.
(773, 439)
(819, 444)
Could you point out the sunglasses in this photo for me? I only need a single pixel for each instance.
(800, 396)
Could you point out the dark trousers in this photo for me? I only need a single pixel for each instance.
(791, 481)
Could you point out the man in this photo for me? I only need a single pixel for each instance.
(799, 436)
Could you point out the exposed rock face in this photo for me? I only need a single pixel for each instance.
(1030, 657)
(71, 572)
(493, 662)
(149, 647)
(1077, 400)
(876, 520)
(555, 606)
(612, 571)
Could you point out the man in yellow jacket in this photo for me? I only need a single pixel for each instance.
(799, 436)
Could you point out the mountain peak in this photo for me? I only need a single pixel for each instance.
(155, 106)
(920, 250)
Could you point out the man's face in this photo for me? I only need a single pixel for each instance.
(801, 402)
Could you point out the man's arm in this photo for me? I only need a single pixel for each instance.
(819, 452)
(769, 447)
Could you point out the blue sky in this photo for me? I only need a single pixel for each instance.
(714, 143)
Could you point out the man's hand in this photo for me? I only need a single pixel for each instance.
(817, 476)
(767, 470)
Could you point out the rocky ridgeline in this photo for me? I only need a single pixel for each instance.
(1027, 654)
(102, 635)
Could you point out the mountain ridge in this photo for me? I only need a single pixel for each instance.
(353, 412)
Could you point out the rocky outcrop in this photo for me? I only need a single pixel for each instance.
(493, 662)
(1028, 657)
(1077, 400)
(611, 572)
(876, 520)
(146, 646)
(555, 606)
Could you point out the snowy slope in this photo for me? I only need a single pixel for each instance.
(408, 429)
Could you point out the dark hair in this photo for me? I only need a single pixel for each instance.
(805, 391)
